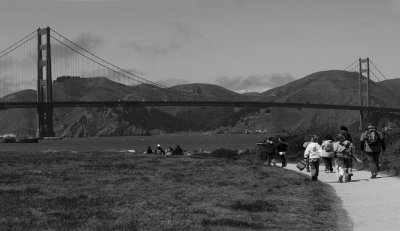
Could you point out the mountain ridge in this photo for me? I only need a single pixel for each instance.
(319, 87)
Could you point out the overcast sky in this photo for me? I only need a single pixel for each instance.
(239, 44)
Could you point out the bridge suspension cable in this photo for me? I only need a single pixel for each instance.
(352, 67)
(17, 66)
(113, 69)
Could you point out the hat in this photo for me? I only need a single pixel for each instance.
(341, 136)
(158, 145)
(370, 127)
(344, 128)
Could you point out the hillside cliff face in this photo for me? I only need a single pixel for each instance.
(330, 87)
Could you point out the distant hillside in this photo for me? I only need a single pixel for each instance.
(330, 87)
(322, 87)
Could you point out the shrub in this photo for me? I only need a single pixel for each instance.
(225, 153)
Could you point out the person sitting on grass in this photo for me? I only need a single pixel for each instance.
(313, 154)
(178, 150)
(159, 150)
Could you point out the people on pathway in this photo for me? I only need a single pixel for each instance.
(344, 151)
(305, 144)
(313, 155)
(267, 149)
(281, 148)
(372, 143)
(328, 153)
(344, 130)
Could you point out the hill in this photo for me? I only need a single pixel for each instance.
(329, 87)
(333, 87)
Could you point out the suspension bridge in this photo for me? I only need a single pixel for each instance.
(32, 62)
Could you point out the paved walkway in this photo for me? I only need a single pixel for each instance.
(372, 204)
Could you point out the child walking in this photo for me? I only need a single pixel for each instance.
(313, 154)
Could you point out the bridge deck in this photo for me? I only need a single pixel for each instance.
(191, 103)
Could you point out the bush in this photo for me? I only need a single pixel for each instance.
(225, 153)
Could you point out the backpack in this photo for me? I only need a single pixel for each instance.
(329, 147)
(372, 136)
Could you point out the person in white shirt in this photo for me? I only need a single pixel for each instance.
(313, 154)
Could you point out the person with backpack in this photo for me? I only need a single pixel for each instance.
(281, 148)
(344, 130)
(344, 151)
(372, 143)
(305, 144)
(313, 154)
(327, 153)
(268, 150)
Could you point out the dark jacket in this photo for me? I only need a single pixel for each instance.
(377, 147)
(281, 147)
(268, 147)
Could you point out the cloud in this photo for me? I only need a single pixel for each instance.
(179, 36)
(257, 83)
(184, 33)
(87, 41)
(366, 25)
(152, 51)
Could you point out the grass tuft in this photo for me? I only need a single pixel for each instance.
(255, 206)
(232, 223)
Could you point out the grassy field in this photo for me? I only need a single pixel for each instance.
(122, 191)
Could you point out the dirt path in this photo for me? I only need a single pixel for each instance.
(372, 204)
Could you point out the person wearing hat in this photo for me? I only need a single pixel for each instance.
(372, 143)
(160, 149)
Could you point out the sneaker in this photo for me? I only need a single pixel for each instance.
(340, 180)
(373, 176)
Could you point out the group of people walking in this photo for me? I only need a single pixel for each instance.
(340, 150)
(269, 150)
(337, 152)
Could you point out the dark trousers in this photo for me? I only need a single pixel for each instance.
(314, 165)
(328, 163)
(283, 160)
(373, 162)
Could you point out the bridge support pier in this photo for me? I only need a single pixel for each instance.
(364, 93)
(44, 86)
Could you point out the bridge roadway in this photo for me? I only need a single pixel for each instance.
(122, 103)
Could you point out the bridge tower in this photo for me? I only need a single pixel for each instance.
(364, 92)
(44, 86)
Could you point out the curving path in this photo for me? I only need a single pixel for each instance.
(372, 204)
